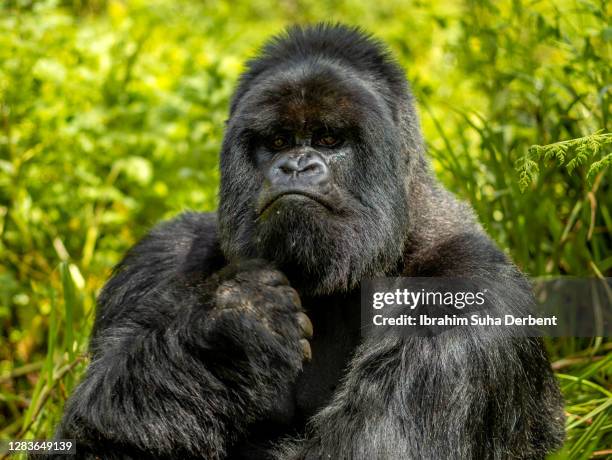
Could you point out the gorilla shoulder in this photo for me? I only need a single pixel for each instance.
(175, 251)
(181, 245)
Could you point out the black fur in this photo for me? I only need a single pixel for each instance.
(198, 345)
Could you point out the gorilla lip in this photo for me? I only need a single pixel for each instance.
(273, 198)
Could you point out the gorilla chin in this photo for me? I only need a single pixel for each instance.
(313, 240)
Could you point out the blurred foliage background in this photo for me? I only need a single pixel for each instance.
(112, 114)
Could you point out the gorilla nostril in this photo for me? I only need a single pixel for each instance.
(311, 168)
(285, 169)
(315, 171)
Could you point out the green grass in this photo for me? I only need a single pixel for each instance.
(111, 118)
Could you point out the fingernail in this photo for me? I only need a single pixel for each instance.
(305, 325)
(306, 350)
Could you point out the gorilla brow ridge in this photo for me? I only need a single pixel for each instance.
(362, 89)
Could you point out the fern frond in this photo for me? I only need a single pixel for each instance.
(580, 150)
(598, 166)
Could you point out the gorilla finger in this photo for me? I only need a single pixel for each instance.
(292, 296)
(306, 350)
(305, 325)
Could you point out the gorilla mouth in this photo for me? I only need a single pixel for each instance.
(274, 197)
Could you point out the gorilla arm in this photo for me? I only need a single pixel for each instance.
(461, 394)
(177, 369)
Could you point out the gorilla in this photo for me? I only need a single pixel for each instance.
(237, 334)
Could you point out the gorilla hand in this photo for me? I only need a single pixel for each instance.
(257, 318)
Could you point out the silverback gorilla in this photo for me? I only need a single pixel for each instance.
(203, 343)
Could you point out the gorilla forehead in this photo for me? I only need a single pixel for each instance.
(309, 94)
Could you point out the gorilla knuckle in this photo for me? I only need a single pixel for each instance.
(272, 277)
(230, 294)
(291, 297)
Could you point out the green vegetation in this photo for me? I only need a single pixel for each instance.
(111, 117)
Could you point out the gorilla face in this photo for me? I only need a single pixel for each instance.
(312, 175)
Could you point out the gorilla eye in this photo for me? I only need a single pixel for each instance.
(279, 141)
(328, 140)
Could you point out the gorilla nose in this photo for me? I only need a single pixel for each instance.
(307, 169)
